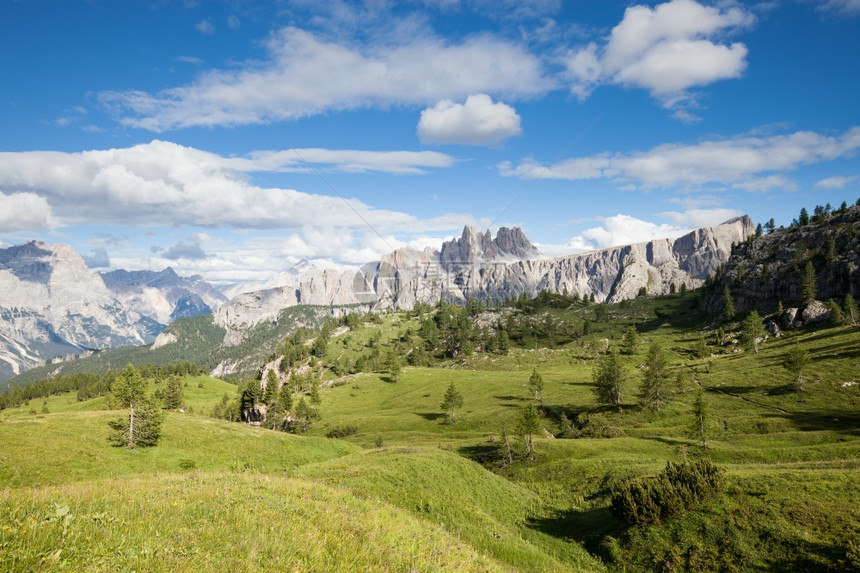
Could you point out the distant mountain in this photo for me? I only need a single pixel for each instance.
(480, 266)
(163, 295)
(52, 305)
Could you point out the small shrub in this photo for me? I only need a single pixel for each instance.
(677, 489)
(342, 431)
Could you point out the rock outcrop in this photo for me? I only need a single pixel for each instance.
(52, 305)
(480, 266)
(768, 269)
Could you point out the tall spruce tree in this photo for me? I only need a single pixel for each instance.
(608, 377)
(536, 386)
(528, 425)
(655, 378)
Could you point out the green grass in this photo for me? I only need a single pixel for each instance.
(792, 462)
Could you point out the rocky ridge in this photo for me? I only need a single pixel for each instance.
(764, 271)
(479, 266)
(52, 305)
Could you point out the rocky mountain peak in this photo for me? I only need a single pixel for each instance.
(475, 247)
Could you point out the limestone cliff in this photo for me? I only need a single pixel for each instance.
(768, 269)
(480, 266)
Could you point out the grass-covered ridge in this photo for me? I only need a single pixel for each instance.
(789, 500)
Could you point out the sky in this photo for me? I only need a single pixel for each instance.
(233, 139)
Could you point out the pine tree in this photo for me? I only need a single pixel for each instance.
(452, 400)
(142, 427)
(655, 377)
(536, 386)
(315, 392)
(631, 340)
(810, 288)
(698, 426)
(394, 367)
(795, 362)
(173, 395)
(849, 309)
(285, 398)
(608, 377)
(528, 425)
(728, 305)
(804, 217)
(751, 331)
(270, 394)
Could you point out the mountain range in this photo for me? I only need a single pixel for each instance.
(52, 305)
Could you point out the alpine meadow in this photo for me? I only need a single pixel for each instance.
(531, 286)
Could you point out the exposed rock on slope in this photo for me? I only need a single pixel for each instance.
(163, 295)
(476, 265)
(52, 305)
(770, 268)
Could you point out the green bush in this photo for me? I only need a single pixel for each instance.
(677, 489)
(342, 431)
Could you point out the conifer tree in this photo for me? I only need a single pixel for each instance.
(752, 331)
(631, 340)
(849, 310)
(536, 386)
(528, 425)
(451, 401)
(698, 426)
(809, 283)
(728, 305)
(655, 377)
(173, 394)
(608, 377)
(796, 362)
(142, 427)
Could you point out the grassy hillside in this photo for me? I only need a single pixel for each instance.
(406, 490)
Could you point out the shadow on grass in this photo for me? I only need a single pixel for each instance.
(832, 420)
(589, 528)
(490, 456)
(733, 389)
(510, 398)
(432, 416)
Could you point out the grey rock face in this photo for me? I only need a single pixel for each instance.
(771, 268)
(480, 266)
(52, 305)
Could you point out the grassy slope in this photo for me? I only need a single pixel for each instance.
(791, 459)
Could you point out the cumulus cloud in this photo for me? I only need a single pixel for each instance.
(99, 259)
(478, 121)
(306, 75)
(184, 250)
(750, 162)
(165, 184)
(667, 50)
(19, 211)
(616, 230)
(699, 218)
(835, 182)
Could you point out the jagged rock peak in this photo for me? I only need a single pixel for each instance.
(474, 246)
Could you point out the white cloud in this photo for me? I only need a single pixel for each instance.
(478, 121)
(346, 160)
(749, 162)
(307, 75)
(835, 182)
(668, 50)
(845, 7)
(616, 230)
(19, 211)
(699, 218)
(205, 27)
(165, 184)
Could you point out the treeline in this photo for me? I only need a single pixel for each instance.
(89, 385)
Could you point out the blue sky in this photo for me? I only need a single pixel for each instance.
(233, 139)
